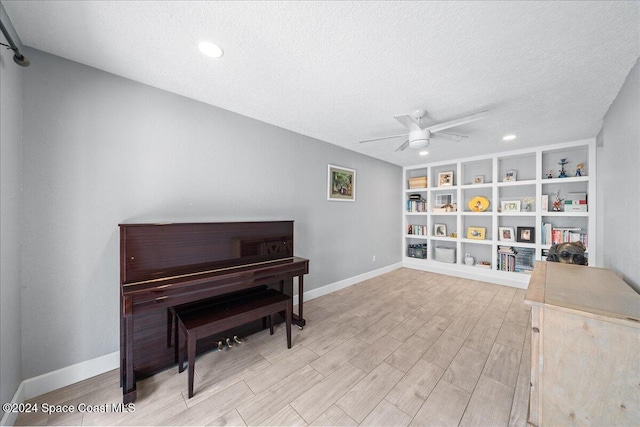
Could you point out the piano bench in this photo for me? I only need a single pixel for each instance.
(206, 320)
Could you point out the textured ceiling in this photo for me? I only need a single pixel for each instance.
(340, 71)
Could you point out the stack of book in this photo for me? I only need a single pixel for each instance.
(417, 229)
(416, 203)
(506, 258)
(575, 202)
(553, 235)
(516, 259)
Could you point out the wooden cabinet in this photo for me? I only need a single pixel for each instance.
(585, 347)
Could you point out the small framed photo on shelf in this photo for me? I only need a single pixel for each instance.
(505, 234)
(526, 234)
(444, 199)
(440, 230)
(445, 179)
(510, 175)
(478, 179)
(477, 233)
(510, 205)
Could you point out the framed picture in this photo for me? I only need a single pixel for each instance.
(440, 230)
(477, 233)
(526, 234)
(510, 205)
(341, 184)
(445, 179)
(510, 175)
(478, 179)
(444, 199)
(505, 234)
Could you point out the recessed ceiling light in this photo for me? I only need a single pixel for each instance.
(210, 49)
(423, 153)
(509, 137)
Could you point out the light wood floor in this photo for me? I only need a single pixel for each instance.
(404, 348)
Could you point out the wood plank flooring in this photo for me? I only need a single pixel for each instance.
(405, 348)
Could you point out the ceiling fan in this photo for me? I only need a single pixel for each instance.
(420, 135)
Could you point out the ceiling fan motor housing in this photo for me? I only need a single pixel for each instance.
(419, 139)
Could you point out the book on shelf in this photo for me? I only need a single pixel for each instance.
(516, 259)
(417, 229)
(416, 205)
(553, 235)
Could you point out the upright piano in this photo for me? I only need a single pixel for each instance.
(165, 265)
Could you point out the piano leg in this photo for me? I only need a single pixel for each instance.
(298, 319)
(129, 392)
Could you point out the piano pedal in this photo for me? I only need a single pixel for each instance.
(229, 343)
(236, 339)
(220, 346)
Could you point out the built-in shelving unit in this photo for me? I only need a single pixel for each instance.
(484, 177)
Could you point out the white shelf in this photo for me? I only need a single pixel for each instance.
(416, 236)
(516, 213)
(516, 183)
(569, 214)
(478, 241)
(469, 213)
(565, 180)
(532, 166)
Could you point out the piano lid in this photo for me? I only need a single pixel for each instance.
(152, 251)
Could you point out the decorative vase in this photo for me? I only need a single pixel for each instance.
(469, 260)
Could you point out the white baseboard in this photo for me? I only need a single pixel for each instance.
(515, 280)
(50, 381)
(69, 375)
(9, 418)
(336, 286)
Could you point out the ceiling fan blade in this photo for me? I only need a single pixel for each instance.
(409, 122)
(458, 122)
(450, 136)
(384, 137)
(403, 146)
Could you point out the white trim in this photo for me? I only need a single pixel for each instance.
(50, 381)
(69, 375)
(515, 280)
(9, 418)
(336, 286)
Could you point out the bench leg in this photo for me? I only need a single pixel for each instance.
(170, 320)
(181, 349)
(191, 349)
(288, 322)
(271, 323)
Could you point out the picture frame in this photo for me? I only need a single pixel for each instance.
(341, 184)
(444, 199)
(445, 179)
(440, 230)
(478, 179)
(477, 233)
(511, 175)
(510, 205)
(526, 234)
(506, 234)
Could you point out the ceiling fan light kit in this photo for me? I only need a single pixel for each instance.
(420, 136)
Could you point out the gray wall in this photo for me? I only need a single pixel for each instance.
(100, 150)
(10, 223)
(620, 175)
